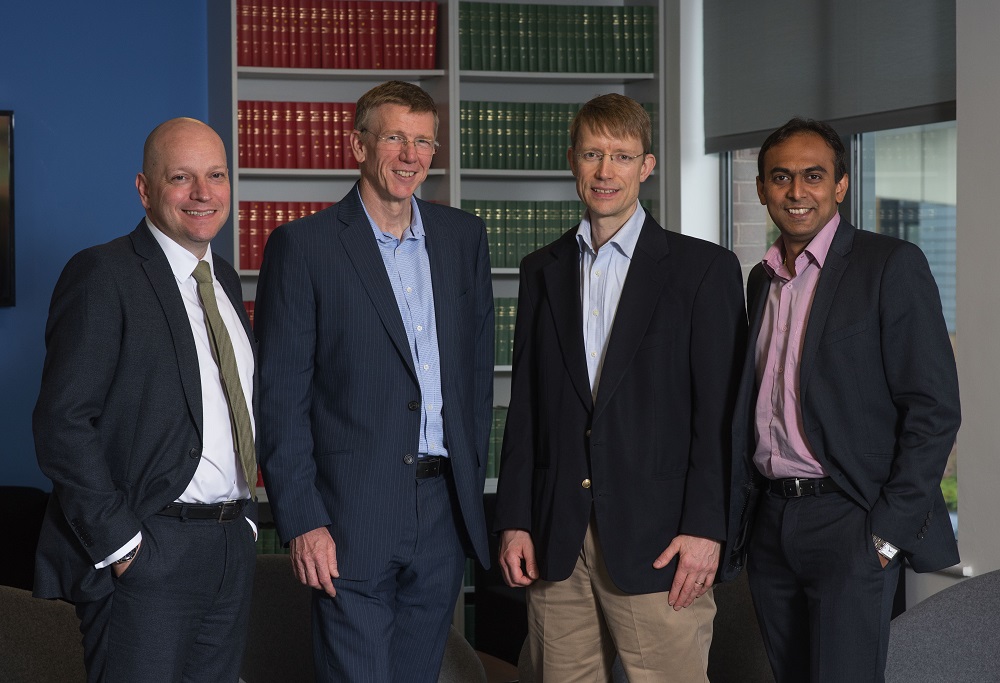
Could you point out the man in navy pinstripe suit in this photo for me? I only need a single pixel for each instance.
(375, 325)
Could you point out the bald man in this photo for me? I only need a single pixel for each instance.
(150, 528)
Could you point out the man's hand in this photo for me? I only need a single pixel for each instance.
(119, 569)
(516, 546)
(314, 559)
(698, 558)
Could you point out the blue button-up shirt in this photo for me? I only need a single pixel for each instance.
(409, 271)
(602, 277)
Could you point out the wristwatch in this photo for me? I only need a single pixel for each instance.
(127, 556)
(884, 548)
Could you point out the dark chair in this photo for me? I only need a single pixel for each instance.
(21, 511)
(953, 636)
(40, 640)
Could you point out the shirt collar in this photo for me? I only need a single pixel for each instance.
(624, 240)
(415, 230)
(816, 250)
(182, 262)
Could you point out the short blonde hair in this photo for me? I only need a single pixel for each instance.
(393, 92)
(614, 115)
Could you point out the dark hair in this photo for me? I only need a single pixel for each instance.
(393, 92)
(799, 125)
(616, 116)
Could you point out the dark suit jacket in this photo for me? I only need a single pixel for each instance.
(655, 445)
(340, 397)
(118, 423)
(878, 390)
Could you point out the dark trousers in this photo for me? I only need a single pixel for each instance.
(393, 627)
(179, 613)
(822, 598)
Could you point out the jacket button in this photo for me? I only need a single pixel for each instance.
(587, 433)
(194, 452)
(920, 535)
(413, 405)
(585, 483)
(408, 459)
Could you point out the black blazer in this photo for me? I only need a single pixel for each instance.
(118, 423)
(655, 446)
(340, 395)
(879, 394)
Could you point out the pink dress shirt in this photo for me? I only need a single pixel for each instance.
(782, 448)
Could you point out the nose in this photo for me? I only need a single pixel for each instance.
(604, 167)
(796, 188)
(408, 152)
(199, 190)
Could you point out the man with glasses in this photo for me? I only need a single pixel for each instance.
(375, 324)
(611, 498)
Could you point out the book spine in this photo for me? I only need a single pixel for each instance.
(243, 232)
(315, 141)
(264, 44)
(347, 125)
(431, 34)
(376, 34)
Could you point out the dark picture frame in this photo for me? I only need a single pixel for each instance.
(6, 208)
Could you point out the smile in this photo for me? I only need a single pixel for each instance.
(405, 174)
(799, 212)
(600, 191)
(200, 214)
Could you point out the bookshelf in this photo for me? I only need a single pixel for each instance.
(456, 81)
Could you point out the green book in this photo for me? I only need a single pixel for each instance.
(617, 41)
(493, 38)
(561, 28)
(476, 34)
(543, 36)
(648, 39)
(511, 320)
(573, 21)
(518, 151)
(521, 26)
(464, 50)
(498, 330)
(630, 63)
(530, 41)
(585, 59)
(503, 37)
(488, 136)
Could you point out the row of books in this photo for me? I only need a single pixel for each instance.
(515, 135)
(256, 220)
(497, 36)
(517, 228)
(295, 134)
(268, 542)
(334, 34)
(496, 441)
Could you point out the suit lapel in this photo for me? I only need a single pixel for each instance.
(562, 283)
(359, 243)
(639, 297)
(829, 280)
(164, 285)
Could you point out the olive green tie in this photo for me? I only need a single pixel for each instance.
(225, 357)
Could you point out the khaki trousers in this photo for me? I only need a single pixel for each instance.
(576, 626)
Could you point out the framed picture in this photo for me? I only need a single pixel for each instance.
(6, 208)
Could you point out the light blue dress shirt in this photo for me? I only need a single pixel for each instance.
(409, 271)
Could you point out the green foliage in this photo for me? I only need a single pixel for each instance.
(949, 487)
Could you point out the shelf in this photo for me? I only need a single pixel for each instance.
(311, 172)
(515, 173)
(503, 368)
(505, 271)
(277, 73)
(552, 77)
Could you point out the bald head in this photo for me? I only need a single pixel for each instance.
(184, 184)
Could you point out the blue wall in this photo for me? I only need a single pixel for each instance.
(87, 82)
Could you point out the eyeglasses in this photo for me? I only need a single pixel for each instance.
(395, 143)
(618, 158)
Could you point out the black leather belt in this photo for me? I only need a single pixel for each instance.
(793, 488)
(431, 466)
(220, 512)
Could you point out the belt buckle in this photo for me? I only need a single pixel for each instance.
(798, 487)
(227, 505)
(792, 488)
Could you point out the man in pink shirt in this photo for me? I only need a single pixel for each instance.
(847, 411)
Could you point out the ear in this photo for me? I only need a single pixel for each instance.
(648, 164)
(143, 187)
(356, 147)
(760, 191)
(842, 188)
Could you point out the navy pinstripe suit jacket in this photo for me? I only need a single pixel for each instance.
(338, 386)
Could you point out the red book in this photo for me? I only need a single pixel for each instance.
(362, 42)
(388, 58)
(315, 137)
(395, 40)
(429, 34)
(328, 50)
(280, 32)
(304, 39)
(267, 33)
(346, 126)
(248, 305)
(279, 217)
(288, 136)
(292, 7)
(315, 34)
(327, 137)
(256, 22)
(264, 145)
(376, 34)
(254, 133)
(253, 236)
(267, 214)
(352, 34)
(244, 32)
(243, 226)
(303, 152)
(241, 134)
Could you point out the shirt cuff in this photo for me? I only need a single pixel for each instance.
(120, 553)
